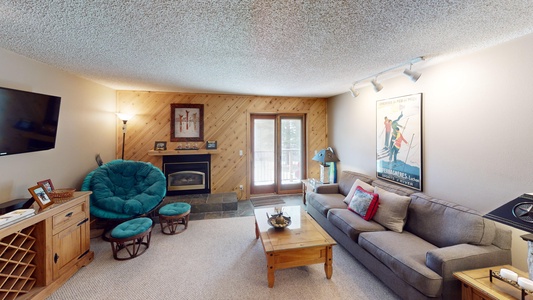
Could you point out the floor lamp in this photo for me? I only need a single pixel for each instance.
(324, 157)
(124, 118)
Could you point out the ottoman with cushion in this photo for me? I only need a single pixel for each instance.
(172, 215)
(133, 236)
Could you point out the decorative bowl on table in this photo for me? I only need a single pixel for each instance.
(279, 221)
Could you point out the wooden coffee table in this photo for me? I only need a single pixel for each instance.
(302, 243)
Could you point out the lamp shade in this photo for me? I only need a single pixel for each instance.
(412, 74)
(353, 91)
(124, 117)
(325, 156)
(377, 86)
(517, 213)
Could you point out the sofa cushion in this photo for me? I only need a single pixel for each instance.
(358, 182)
(364, 203)
(445, 224)
(392, 209)
(351, 224)
(391, 187)
(324, 202)
(405, 255)
(348, 178)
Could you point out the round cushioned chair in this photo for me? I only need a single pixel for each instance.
(124, 189)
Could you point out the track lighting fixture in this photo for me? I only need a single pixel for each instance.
(377, 86)
(412, 74)
(354, 92)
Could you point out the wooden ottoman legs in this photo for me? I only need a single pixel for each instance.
(169, 224)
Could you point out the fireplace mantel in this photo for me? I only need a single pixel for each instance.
(181, 152)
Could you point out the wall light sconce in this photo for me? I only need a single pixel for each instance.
(124, 118)
(413, 75)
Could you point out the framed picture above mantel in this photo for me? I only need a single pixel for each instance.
(399, 140)
(186, 122)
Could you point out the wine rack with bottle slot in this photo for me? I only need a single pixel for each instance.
(40, 253)
(17, 263)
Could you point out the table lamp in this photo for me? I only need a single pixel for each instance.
(518, 213)
(324, 157)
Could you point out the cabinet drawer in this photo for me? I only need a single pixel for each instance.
(69, 217)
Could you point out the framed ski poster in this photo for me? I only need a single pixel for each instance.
(399, 140)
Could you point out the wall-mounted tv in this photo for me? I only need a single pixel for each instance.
(28, 121)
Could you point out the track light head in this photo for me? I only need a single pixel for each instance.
(412, 74)
(353, 91)
(377, 86)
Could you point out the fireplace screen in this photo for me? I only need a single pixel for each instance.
(187, 174)
(186, 180)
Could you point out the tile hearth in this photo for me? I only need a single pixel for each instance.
(224, 205)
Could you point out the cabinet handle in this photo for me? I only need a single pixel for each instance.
(56, 257)
(68, 215)
(86, 219)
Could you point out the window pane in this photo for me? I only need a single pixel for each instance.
(291, 151)
(264, 151)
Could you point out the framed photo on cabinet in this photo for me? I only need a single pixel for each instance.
(40, 196)
(47, 185)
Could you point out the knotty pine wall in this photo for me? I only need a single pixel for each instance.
(226, 120)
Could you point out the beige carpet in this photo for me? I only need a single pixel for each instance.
(215, 259)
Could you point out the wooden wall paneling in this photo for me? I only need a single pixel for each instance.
(226, 120)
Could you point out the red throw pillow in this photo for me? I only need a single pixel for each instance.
(364, 203)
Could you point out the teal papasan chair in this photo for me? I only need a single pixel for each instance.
(124, 189)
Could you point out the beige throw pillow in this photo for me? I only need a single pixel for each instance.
(367, 187)
(392, 210)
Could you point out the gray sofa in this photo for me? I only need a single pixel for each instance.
(416, 259)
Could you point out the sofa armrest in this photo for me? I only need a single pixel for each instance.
(445, 261)
(327, 189)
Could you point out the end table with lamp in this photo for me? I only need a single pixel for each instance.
(326, 157)
(309, 185)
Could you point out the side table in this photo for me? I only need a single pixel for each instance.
(308, 187)
(475, 284)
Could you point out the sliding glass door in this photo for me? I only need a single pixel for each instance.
(278, 154)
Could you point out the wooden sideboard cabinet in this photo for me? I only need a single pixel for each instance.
(39, 254)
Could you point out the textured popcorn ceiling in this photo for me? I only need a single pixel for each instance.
(258, 47)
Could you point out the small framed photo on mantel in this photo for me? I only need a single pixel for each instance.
(210, 145)
(160, 146)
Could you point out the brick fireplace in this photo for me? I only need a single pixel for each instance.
(187, 174)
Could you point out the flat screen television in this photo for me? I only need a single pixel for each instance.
(28, 121)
